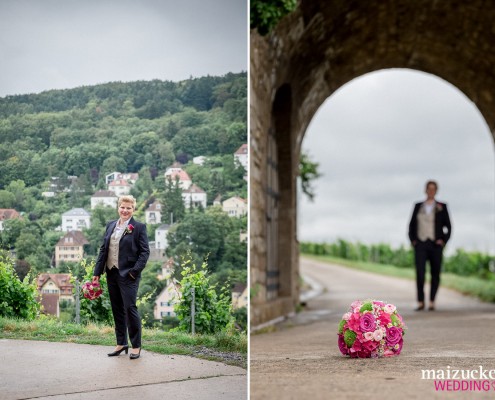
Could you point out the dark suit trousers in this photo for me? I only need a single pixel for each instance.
(123, 295)
(428, 251)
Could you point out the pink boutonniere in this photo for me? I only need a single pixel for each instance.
(439, 207)
(129, 228)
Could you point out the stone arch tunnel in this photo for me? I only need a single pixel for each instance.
(314, 51)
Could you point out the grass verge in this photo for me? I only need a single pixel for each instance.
(468, 285)
(228, 348)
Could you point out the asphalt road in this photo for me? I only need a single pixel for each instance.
(301, 359)
(49, 370)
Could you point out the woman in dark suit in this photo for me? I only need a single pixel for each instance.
(429, 232)
(123, 255)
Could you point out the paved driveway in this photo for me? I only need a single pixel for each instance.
(49, 370)
(301, 360)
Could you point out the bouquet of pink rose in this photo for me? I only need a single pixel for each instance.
(371, 329)
(91, 290)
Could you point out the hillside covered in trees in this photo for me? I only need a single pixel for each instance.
(65, 142)
(94, 130)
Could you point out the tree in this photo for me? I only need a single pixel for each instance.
(201, 234)
(7, 199)
(265, 14)
(171, 200)
(308, 171)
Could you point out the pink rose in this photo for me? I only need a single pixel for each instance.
(368, 335)
(367, 323)
(378, 335)
(394, 335)
(346, 316)
(389, 308)
(356, 304)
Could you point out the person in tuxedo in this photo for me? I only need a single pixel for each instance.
(429, 232)
(123, 255)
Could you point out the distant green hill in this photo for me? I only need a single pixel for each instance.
(95, 130)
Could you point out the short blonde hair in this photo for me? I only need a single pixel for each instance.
(127, 198)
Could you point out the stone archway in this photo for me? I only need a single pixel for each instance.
(313, 52)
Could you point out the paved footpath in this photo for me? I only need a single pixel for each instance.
(46, 370)
(301, 359)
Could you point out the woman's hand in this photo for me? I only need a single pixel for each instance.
(96, 279)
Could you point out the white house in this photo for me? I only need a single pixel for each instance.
(175, 167)
(239, 296)
(199, 160)
(120, 187)
(166, 300)
(241, 155)
(218, 200)
(153, 214)
(112, 177)
(105, 198)
(75, 220)
(161, 241)
(235, 206)
(194, 196)
(185, 181)
(130, 177)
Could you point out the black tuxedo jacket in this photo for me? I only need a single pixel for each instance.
(133, 250)
(443, 229)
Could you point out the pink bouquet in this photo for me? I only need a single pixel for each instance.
(91, 290)
(371, 329)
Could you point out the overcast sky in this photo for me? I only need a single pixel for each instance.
(56, 44)
(378, 139)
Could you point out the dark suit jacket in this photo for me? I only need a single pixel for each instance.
(133, 250)
(443, 229)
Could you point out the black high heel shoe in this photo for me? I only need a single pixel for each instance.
(133, 356)
(117, 352)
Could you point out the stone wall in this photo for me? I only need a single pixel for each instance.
(313, 52)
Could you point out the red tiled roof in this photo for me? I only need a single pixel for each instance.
(194, 189)
(242, 150)
(119, 182)
(8, 213)
(61, 280)
(183, 175)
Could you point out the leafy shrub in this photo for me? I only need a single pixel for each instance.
(212, 310)
(17, 298)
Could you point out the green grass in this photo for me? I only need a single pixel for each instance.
(468, 285)
(224, 347)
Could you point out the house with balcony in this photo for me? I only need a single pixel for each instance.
(76, 220)
(166, 300)
(52, 289)
(120, 187)
(70, 247)
(161, 241)
(194, 197)
(153, 214)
